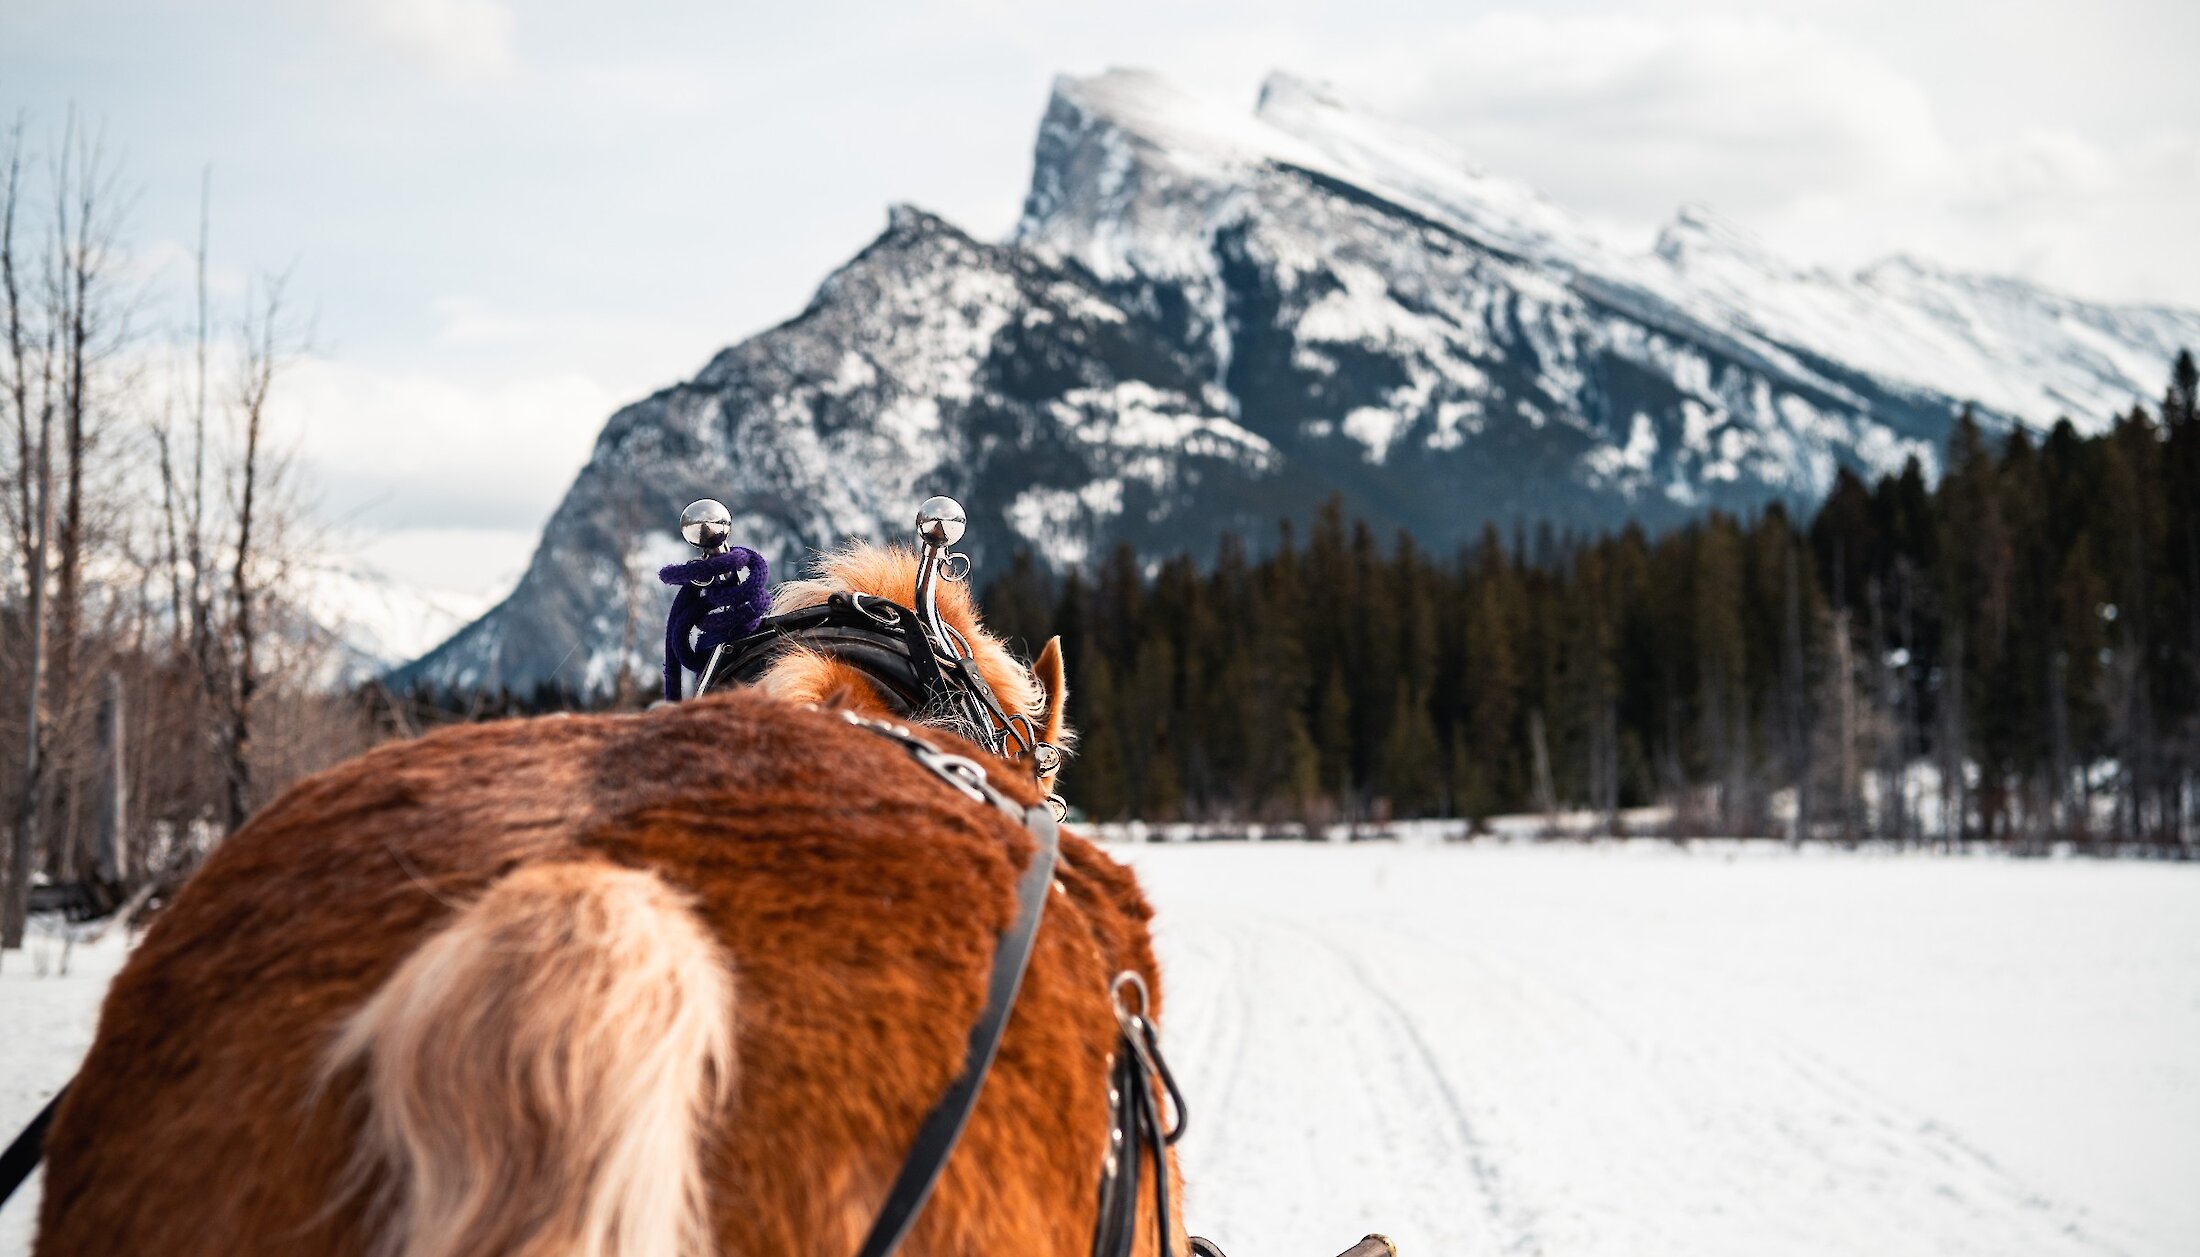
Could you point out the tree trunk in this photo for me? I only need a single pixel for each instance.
(246, 682)
(1954, 805)
(114, 797)
(1795, 682)
(1850, 769)
(1546, 797)
(16, 915)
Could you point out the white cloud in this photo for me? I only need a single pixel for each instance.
(2105, 219)
(168, 268)
(1630, 116)
(466, 569)
(1810, 137)
(419, 450)
(436, 485)
(463, 40)
(465, 321)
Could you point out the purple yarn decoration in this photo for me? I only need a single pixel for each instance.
(705, 616)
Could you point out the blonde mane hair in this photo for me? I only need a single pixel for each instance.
(890, 572)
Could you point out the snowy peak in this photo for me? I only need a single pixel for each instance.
(1138, 129)
(1356, 144)
(1698, 236)
(1130, 172)
(1139, 110)
(906, 222)
(1283, 94)
(929, 363)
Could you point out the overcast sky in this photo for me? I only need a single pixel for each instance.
(510, 217)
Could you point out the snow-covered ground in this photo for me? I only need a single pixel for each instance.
(49, 1006)
(1627, 1049)
(1630, 1050)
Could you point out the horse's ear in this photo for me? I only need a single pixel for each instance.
(1047, 668)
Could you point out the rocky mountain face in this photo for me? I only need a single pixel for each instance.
(1208, 321)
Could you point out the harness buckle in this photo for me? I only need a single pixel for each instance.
(878, 610)
(959, 771)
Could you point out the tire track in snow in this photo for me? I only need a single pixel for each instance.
(1966, 1172)
(1707, 1073)
(1516, 1232)
(1331, 1112)
(1204, 1025)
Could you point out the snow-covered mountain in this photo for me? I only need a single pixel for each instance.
(367, 623)
(1208, 319)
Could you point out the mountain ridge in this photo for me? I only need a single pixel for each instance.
(1206, 320)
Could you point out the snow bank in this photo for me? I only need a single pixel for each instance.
(49, 1006)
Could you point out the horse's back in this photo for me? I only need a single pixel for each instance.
(858, 897)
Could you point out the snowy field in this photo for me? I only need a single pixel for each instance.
(46, 1023)
(1633, 1051)
(1629, 1050)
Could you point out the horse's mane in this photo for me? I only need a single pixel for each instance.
(890, 572)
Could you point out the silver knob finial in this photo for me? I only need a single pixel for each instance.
(940, 522)
(707, 525)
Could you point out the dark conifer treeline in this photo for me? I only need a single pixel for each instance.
(2016, 647)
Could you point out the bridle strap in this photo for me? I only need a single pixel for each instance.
(27, 1148)
(941, 1128)
(880, 637)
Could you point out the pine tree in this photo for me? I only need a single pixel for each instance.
(2035, 613)
(1095, 783)
(1722, 653)
(1486, 759)
(1410, 760)
(1154, 780)
(2078, 714)
(1333, 740)
(1019, 605)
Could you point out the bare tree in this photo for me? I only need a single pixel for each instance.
(91, 322)
(17, 389)
(36, 492)
(255, 553)
(194, 514)
(227, 676)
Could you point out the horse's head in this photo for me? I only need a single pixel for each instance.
(805, 676)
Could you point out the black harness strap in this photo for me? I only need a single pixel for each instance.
(24, 1152)
(1117, 1228)
(943, 1126)
(1136, 1131)
(880, 637)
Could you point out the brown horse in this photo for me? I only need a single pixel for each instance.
(664, 985)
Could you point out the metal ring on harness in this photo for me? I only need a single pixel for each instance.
(1144, 1042)
(1136, 1132)
(886, 614)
